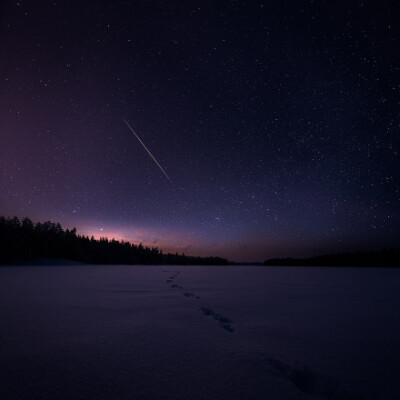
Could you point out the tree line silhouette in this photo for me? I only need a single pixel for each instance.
(23, 240)
(389, 257)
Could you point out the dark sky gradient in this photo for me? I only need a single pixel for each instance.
(278, 122)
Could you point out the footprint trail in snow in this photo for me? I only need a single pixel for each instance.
(223, 321)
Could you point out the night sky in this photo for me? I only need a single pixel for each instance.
(277, 122)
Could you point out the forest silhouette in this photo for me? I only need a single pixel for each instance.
(24, 241)
(388, 257)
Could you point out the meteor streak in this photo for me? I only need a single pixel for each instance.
(148, 151)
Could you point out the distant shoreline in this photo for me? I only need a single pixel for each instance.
(55, 262)
(49, 261)
(384, 258)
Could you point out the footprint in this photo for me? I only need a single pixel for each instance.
(224, 322)
(312, 382)
(221, 318)
(175, 286)
(228, 327)
(190, 294)
(207, 311)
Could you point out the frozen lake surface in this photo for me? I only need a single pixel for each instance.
(192, 332)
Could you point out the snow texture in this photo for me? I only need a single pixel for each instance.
(185, 332)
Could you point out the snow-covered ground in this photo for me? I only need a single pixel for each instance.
(185, 332)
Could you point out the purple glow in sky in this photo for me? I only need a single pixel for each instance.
(277, 122)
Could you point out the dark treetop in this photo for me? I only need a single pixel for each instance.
(25, 242)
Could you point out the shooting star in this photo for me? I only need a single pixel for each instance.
(148, 151)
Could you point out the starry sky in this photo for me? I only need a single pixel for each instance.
(277, 122)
